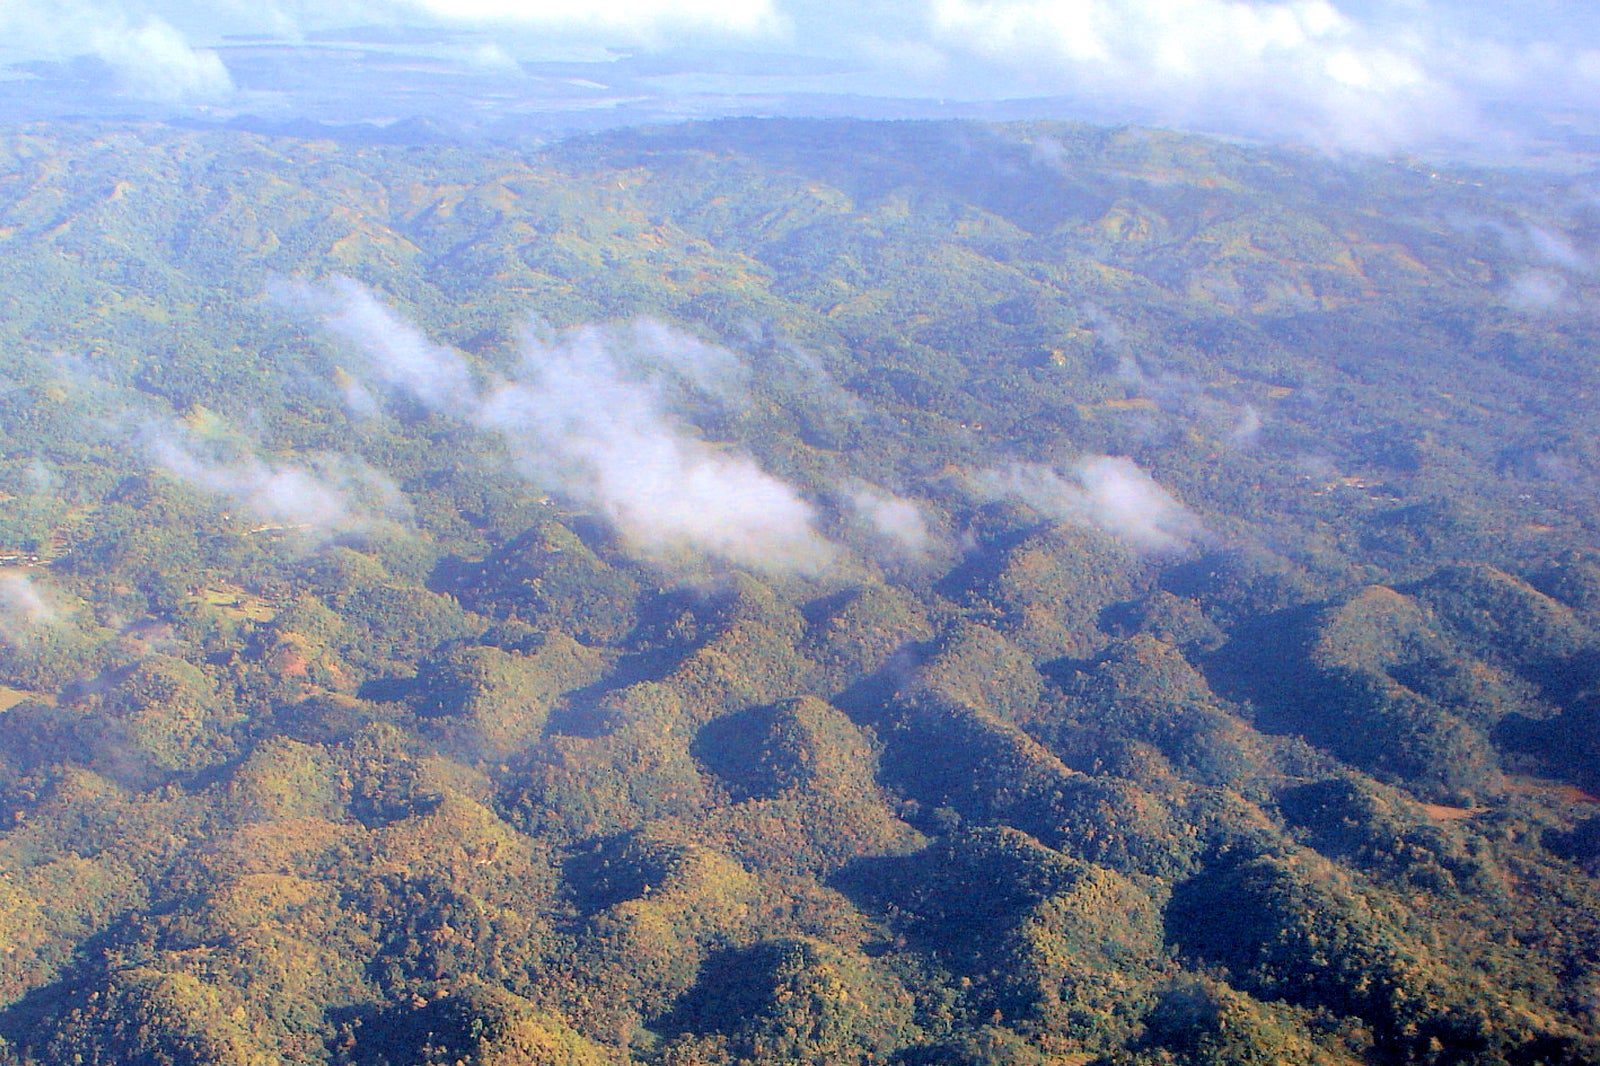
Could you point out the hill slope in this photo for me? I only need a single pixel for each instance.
(793, 591)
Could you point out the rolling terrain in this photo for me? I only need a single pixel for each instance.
(794, 591)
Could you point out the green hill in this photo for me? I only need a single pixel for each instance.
(792, 592)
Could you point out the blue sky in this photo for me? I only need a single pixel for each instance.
(1345, 75)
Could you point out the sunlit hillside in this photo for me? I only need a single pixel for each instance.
(794, 592)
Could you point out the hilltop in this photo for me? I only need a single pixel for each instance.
(803, 591)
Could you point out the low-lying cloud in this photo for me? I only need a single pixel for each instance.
(1550, 265)
(334, 494)
(580, 418)
(897, 523)
(589, 414)
(1536, 291)
(1110, 493)
(399, 354)
(22, 603)
(1209, 407)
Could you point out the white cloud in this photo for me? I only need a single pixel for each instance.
(1554, 248)
(149, 57)
(1341, 73)
(1296, 67)
(639, 17)
(582, 418)
(153, 61)
(332, 494)
(1248, 426)
(639, 21)
(896, 521)
(399, 354)
(1537, 290)
(22, 603)
(490, 56)
(1109, 493)
(1550, 263)
(589, 414)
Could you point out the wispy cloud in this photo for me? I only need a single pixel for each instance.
(326, 495)
(399, 354)
(1537, 291)
(1109, 493)
(153, 61)
(22, 603)
(1215, 410)
(1557, 249)
(633, 17)
(590, 413)
(898, 524)
(1548, 265)
(149, 58)
(579, 417)
(1247, 427)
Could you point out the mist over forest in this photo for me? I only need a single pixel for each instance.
(794, 590)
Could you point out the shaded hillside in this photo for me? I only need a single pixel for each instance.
(816, 592)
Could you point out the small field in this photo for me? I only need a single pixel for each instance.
(236, 603)
(10, 697)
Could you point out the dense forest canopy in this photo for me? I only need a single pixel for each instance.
(794, 591)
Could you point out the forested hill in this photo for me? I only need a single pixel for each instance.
(794, 592)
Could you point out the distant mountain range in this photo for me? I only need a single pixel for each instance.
(398, 85)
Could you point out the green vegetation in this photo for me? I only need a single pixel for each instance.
(368, 703)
